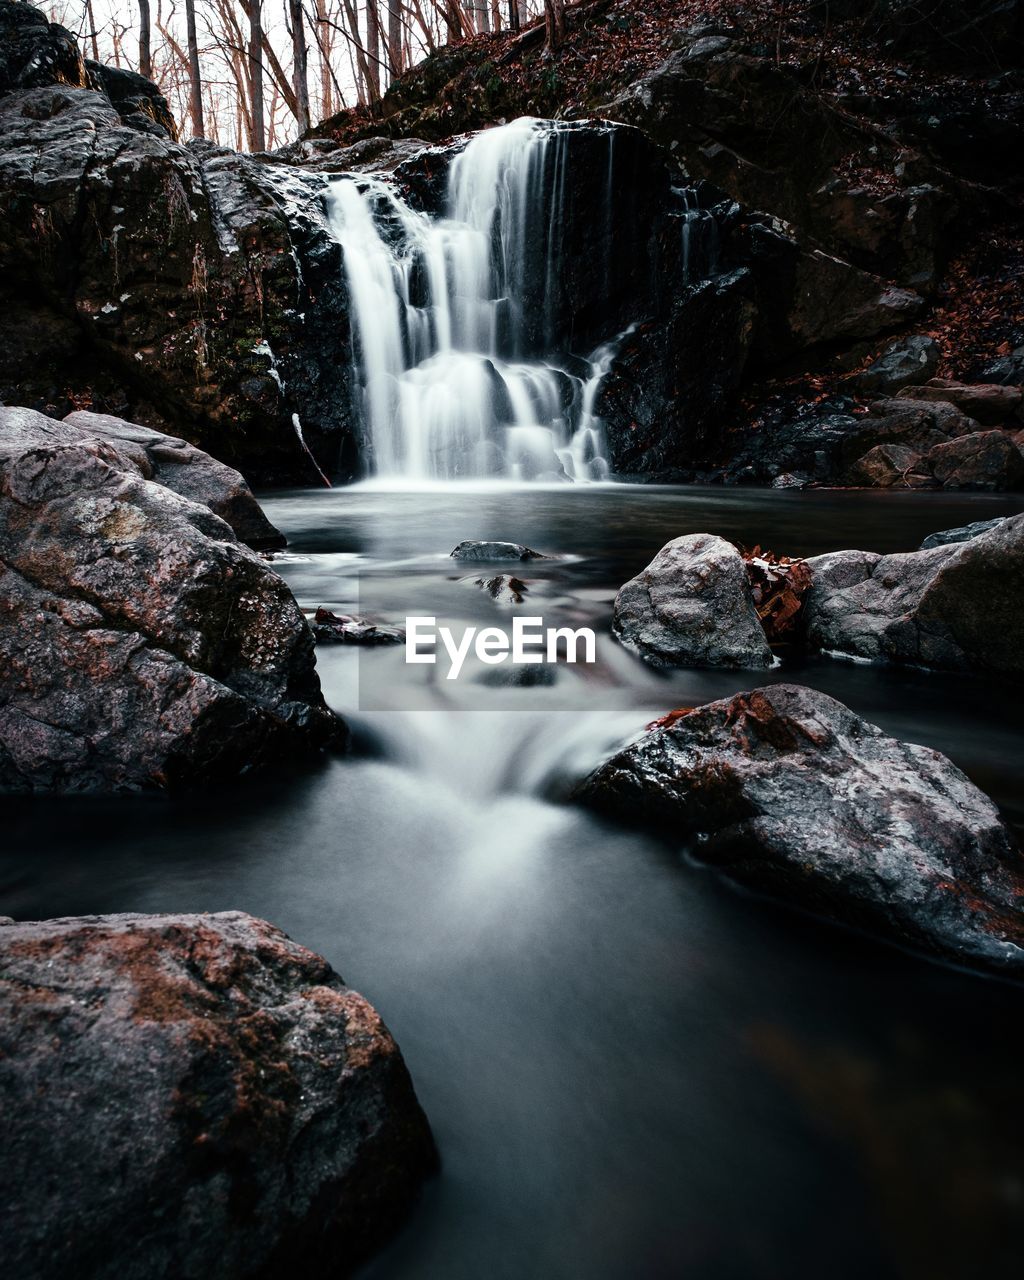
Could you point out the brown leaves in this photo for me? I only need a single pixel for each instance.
(778, 584)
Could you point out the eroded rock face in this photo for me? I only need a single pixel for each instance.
(955, 606)
(194, 1095)
(142, 644)
(692, 607)
(792, 794)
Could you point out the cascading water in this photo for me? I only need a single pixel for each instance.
(446, 324)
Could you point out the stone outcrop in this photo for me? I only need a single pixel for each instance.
(190, 1095)
(142, 644)
(693, 607)
(954, 606)
(791, 794)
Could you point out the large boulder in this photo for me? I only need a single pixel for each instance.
(142, 644)
(792, 794)
(693, 607)
(981, 460)
(955, 606)
(186, 470)
(194, 1095)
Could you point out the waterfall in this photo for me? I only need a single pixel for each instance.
(454, 318)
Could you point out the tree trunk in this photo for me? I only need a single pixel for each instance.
(259, 136)
(554, 24)
(195, 75)
(145, 57)
(323, 34)
(299, 74)
(395, 60)
(373, 48)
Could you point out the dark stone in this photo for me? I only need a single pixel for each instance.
(989, 404)
(791, 794)
(472, 550)
(142, 644)
(35, 51)
(693, 607)
(984, 460)
(503, 588)
(195, 1095)
(954, 606)
(133, 95)
(902, 364)
(1006, 371)
(333, 628)
(963, 534)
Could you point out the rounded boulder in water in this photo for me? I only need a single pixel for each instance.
(472, 550)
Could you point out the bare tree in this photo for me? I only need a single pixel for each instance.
(299, 73)
(373, 43)
(396, 61)
(554, 24)
(145, 54)
(195, 74)
(255, 13)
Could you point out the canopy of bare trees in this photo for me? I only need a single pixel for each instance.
(253, 74)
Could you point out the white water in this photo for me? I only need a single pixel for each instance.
(441, 330)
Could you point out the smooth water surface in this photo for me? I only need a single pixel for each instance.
(632, 1070)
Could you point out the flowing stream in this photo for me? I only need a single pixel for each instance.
(632, 1070)
(450, 384)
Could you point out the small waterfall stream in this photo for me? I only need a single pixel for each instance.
(445, 322)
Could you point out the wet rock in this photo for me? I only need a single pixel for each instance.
(181, 467)
(905, 363)
(504, 588)
(141, 644)
(1006, 371)
(984, 460)
(963, 534)
(692, 607)
(791, 480)
(35, 51)
(988, 403)
(345, 628)
(472, 550)
(954, 606)
(791, 794)
(194, 1095)
(889, 466)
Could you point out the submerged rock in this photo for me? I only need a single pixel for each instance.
(792, 794)
(954, 606)
(692, 607)
(190, 1095)
(346, 628)
(472, 550)
(141, 644)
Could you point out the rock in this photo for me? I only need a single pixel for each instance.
(333, 628)
(187, 470)
(1006, 371)
(962, 534)
(692, 607)
(988, 403)
(791, 794)
(889, 466)
(141, 644)
(983, 460)
(195, 1095)
(504, 588)
(35, 51)
(791, 480)
(472, 550)
(904, 363)
(954, 606)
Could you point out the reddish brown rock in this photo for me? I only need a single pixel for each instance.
(983, 460)
(194, 1096)
(988, 403)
